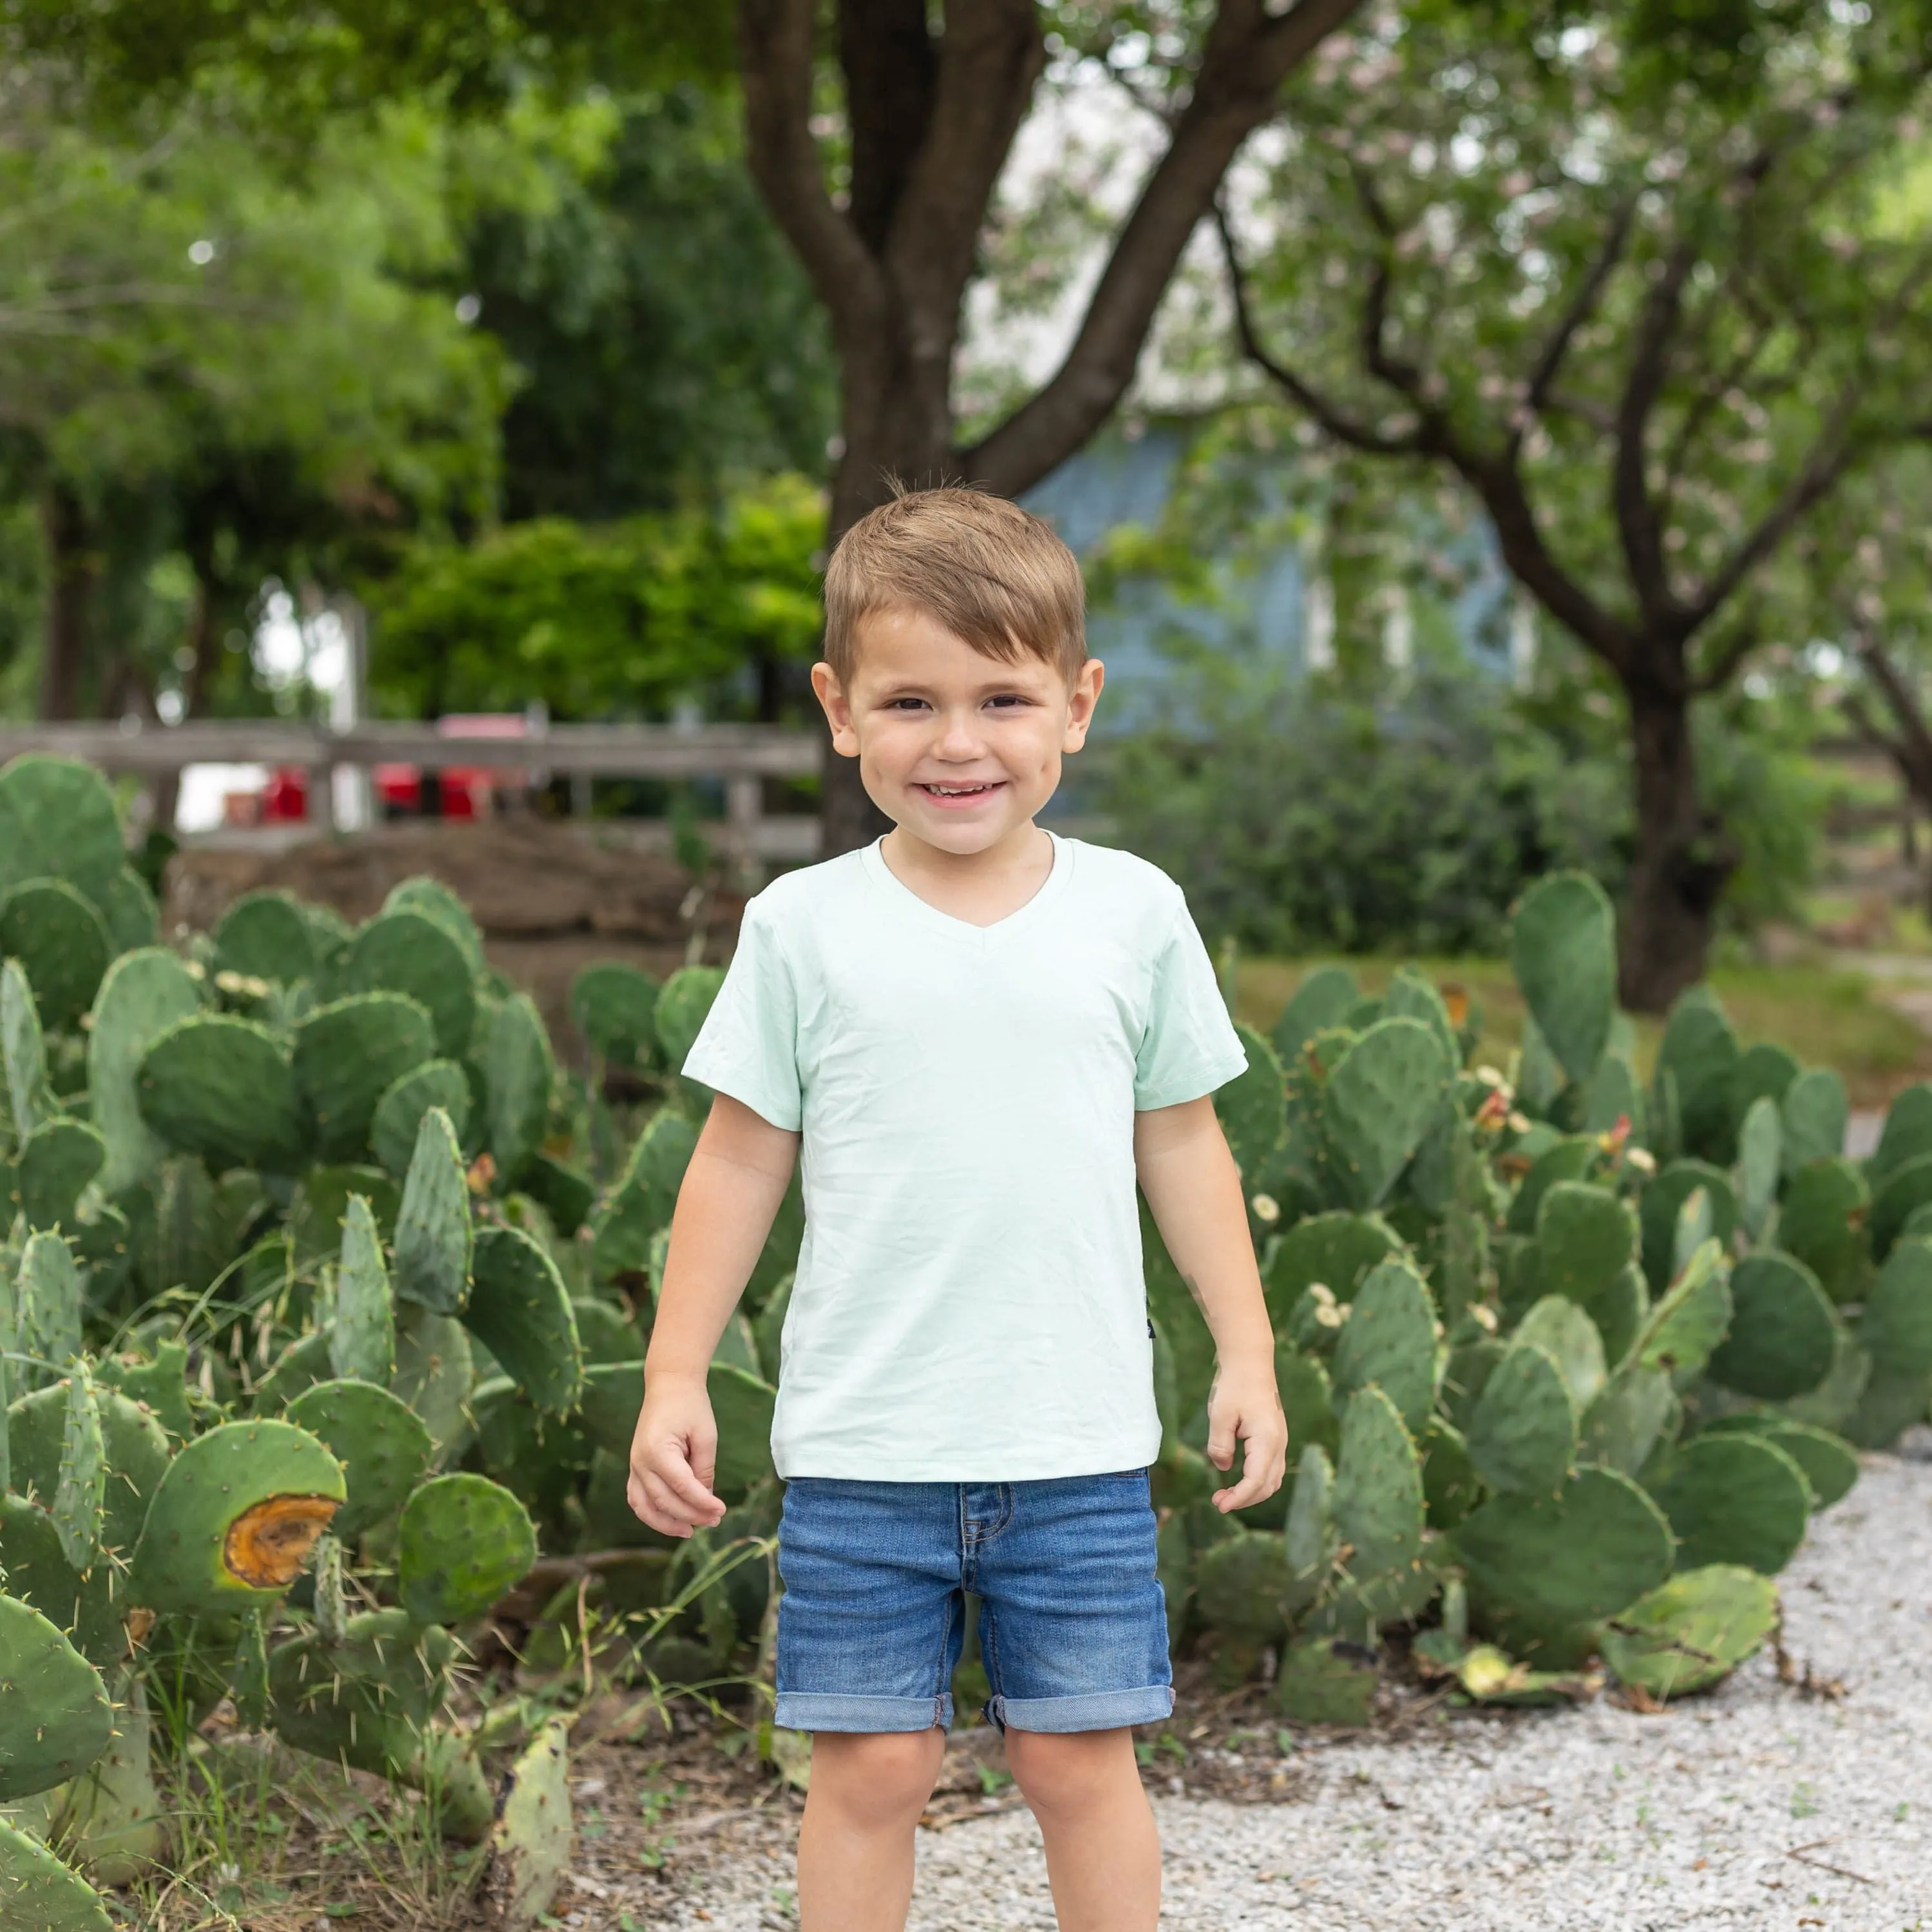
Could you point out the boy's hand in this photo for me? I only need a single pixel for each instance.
(673, 1458)
(1244, 1405)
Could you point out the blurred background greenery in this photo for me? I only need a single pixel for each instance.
(1517, 459)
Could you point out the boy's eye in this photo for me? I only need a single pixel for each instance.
(1008, 699)
(905, 703)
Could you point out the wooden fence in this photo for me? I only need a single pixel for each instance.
(742, 757)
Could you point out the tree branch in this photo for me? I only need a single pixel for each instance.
(1536, 394)
(1639, 527)
(989, 60)
(1912, 749)
(1747, 633)
(777, 47)
(891, 70)
(1248, 53)
(1343, 427)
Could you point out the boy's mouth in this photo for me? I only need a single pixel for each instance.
(961, 794)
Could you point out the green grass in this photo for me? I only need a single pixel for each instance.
(1828, 1016)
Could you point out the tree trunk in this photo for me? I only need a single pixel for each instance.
(1682, 858)
(902, 439)
(72, 568)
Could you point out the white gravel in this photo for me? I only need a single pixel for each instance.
(1725, 1811)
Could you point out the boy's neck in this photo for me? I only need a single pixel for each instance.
(978, 888)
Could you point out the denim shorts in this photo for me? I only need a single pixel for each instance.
(1072, 1624)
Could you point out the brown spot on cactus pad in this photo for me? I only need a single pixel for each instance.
(267, 1545)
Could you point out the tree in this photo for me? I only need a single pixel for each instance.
(1651, 301)
(199, 351)
(885, 202)
(667, 340)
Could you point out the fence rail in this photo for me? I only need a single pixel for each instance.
(742, 755)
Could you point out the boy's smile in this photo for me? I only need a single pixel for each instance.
(958, 749)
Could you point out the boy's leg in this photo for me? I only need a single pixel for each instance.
(855, 1848)
(1103, 1853)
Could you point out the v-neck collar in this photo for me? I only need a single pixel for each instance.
(889, 882)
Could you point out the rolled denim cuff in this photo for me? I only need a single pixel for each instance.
(808, 1711)
(1098, 1710)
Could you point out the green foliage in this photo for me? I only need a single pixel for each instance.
(53, 1711)
(1304, 823)
(602, 621)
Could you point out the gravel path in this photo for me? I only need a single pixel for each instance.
(1726, 1811)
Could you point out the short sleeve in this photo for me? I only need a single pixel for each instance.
(748, 1046)
(1190, 1047)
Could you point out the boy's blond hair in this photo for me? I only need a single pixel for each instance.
(992, 573)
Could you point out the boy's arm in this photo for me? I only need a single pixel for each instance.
(731, 1192)
(1194, 1188)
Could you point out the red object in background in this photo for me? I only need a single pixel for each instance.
(285, 797)
(398, 790)
(464, 791)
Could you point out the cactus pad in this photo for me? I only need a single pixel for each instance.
(463, 1541)
(362, 1337)
(1588, 1552)
(1239, 1584)
(1380, 1101)
(224, 1088)
(144, 994)
(682, 1004)
(55, 1720)
(1556, 1323)
(264, 935)
(1692, 1631)
(742, 1405)
(56, 1163)
(1901, 1195)
(135, 1452)
(531, 1841)
(614, 1006)
(435, 1369)
(23, 1050)
(235, 1517)
(1378, 1494)
(1320, 1000)
(432, 1226)
(1680, 1332)
(1570, 1158)
(519, 1310)
(1327, 1680)
(409, 951)
(1451, 1486)
(57, 820)
(1830, 1464)
(1251, 1108)
(81, 1488)
(399, 1113)
(1662, 1201)
(48, 1291)
(1783, 1332)
(1337, 1250)
(40, 1893)
(1897, 1330)
(520, 1074)
(61, 942)
(348, 1055)
(1698, 1051)
(1562, 943)
(1585, 1237)
(88, 1609)
(384, 1447)
(1822, 1222)
(1815, 1114)
(1389, 1339)
(1628, 1418)
(1522, 1432)
(364, 1699)
(1734, 1498)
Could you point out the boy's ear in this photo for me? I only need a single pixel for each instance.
(1081, 701)
(837, 708)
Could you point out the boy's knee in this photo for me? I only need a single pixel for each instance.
(1071, 1772)
(879, 1778)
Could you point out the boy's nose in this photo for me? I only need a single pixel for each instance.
(959, 738)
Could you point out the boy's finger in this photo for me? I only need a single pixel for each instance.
(692, 1494)
(650, 1503)
(1221, 1444)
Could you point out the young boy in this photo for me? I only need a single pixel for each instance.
(982, 1035)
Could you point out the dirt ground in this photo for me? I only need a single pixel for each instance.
(550, 898)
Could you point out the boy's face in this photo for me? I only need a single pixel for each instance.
(954, 747)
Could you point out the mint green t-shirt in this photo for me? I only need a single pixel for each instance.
(969, 1305)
